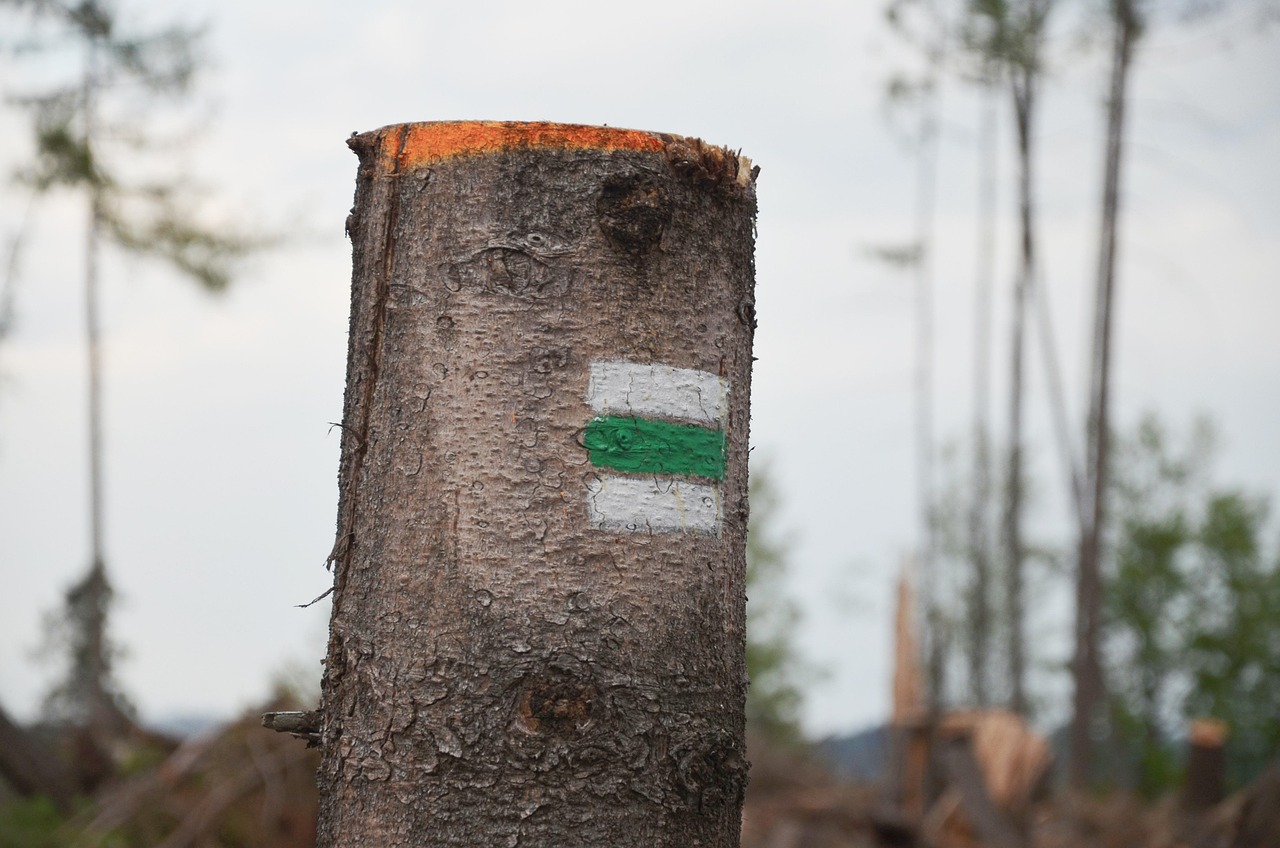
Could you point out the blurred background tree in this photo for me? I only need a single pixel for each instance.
(97, 135)
(1191, 610)
(1233, 653)
(1156, 489)
(777, 672)
(1008, 39)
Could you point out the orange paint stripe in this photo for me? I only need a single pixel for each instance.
(409, 145)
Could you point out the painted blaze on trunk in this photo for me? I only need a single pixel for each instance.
(538, 621)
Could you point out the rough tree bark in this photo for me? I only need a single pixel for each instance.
(538, 617)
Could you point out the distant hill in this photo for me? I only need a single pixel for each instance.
(860, 756)
(185, 726)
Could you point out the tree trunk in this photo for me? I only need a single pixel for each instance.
(965, 775)
(1205, 776)
(90, 691)
(538, 616)
(1023, 87)
(925, 201)
(93, 368)
(980, 594)
(1087, 666)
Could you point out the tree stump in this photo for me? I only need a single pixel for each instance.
(1205, 779)
(538, 613)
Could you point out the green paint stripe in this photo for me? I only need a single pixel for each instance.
(645, 446)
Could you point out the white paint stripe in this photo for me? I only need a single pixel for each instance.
(659, 391)
(648, 505)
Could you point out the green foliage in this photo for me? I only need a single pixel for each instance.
(165, 230)
(773, 702)
(75, 631)
(910, 93)
(906, 255)
(1146, 598)
(36, 823)
(1234, 645)
(78, 127)
(30, 823)
(1192, 605)
(142, 758)
(1006, 33)
(63, 156)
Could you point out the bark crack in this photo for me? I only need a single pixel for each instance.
(364, 408)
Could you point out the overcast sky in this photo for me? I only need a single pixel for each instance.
(221, 488)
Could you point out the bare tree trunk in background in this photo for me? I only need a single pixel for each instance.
(926, 190)
(980, 603)
(89, 689)
(934, 40)
(1010, 37)
(1023, 85)
(93, 350)
(92, 595)
(1058, 402)
(539, 614)
(1087, 666)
